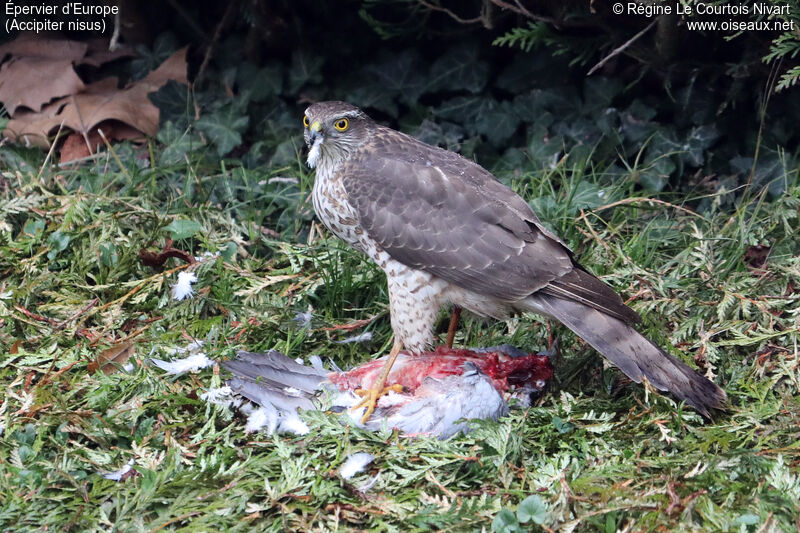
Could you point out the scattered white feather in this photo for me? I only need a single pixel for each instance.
(302, 319)
(264, 417)
(218, 396)
(370, 483)
(355, 463)
(206, 255)
(299, 360)
(282, 179)
(192, 363)
(183, 288)
(117, 475)
(192, 347)
(291, 423)
(363, 337)
(291, 391)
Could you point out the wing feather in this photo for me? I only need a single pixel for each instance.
(437, 211)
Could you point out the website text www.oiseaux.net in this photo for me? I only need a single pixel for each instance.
(759, 10)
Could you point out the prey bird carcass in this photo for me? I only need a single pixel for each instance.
(433, 394)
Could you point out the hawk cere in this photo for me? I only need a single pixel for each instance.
(445, 231)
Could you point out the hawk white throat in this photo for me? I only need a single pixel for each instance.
(445, 231)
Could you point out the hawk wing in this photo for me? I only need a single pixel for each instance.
(436, 211)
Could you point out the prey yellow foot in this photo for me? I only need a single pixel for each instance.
(371, 397)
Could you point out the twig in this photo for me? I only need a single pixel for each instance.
(141, 285)
(50, 152)
(621, 48)
(433, 7)
(353, 325)
(34, 316)
(594, 234)
(64, 322)
(213, 44)
(113, 44)
(519, 10)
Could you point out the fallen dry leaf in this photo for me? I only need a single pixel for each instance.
(112, 358)
(33, 81)
(100, 101)
(755, 257)
(76, 146)
(157, 259)
(28, 46)
(99, 54)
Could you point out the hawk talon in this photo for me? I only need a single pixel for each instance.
(371, 397)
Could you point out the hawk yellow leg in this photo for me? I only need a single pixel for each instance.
(378, 389)
(451, 329)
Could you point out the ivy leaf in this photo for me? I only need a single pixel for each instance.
(173, 103)
(375, 97)
(286, 152)
(496, 120)
(545, 150)
(108, 254)
(400, 74)
(505, 522)
(700, 138)
(224, 127)
(228, 251)
(598, 92)
(461, 109)
(533, 509)
(178, 143)
(588, 195)
(58, 242)
(460, 68)
(656, 174)
(183, 229)
(524, 72)
(562, 426)
(259, 83)
(33, 227)
(306, 69)
(636, 124)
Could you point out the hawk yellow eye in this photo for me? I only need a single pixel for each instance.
(305, 120)
(341, 124)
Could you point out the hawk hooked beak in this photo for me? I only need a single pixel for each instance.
(316, 132)
(315, 139)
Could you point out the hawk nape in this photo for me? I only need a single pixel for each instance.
(446, 231)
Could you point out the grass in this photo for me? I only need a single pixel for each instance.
(601, 454)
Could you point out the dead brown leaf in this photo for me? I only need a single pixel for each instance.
(33, 81)
(28, 46)
(157, 259)
(755, 257)
(76, 146)
(100, 102)
(99, 54)
(110, 359)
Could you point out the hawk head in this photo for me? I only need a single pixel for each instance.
(333, 130)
